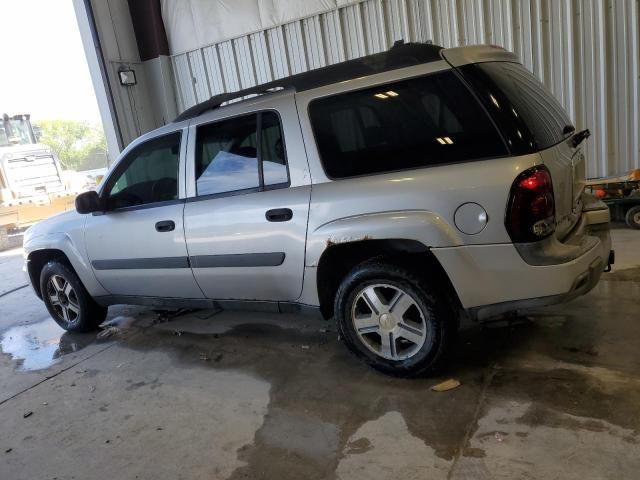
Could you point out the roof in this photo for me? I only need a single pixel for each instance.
(399, 56)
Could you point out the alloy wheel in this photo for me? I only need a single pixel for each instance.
(389, 322)
(63, 298)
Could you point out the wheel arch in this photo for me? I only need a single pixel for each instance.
(38, 259)
(335, 247)
(338, 260)
(42, 249)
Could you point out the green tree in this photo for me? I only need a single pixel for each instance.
(77, 144)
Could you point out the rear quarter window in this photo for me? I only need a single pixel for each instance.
(528, 115)
(414, 123)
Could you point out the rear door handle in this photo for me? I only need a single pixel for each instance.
(165, 226)
(279, 215)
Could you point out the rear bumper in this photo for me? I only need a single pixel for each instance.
(494, 279)
(582, 284)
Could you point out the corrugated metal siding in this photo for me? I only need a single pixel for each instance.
(585, 51)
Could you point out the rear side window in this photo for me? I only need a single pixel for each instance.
(414, 123)
(227, 156)
(272, 153)
(242, 153)
(528, 115)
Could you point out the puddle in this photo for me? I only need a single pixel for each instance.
(530, 440)
(40, 345)
(390, 451)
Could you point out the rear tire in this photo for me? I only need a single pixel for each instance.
(394, 321)
(68, 302)
(633, 217)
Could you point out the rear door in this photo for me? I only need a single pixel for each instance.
(246, 218)
(567, 167)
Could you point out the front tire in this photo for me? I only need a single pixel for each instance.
(68, 302)
(394, 320)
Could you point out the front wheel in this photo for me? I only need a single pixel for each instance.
(67, 300)
(393, 320)
(633, 217)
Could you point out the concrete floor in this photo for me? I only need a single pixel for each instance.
(555, 395)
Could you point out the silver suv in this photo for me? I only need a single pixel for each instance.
(396, 193)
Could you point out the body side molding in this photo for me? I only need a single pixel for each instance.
(272, 259)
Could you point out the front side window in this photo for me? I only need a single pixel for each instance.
(413, 123)
(242, 153)
(150, 174)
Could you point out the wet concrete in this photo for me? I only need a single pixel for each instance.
(40, 345)
(11, 267)
(553, 394)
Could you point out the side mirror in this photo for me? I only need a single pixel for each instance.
(88, 202)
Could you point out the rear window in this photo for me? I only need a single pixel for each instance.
(528, 115)
(414, 123)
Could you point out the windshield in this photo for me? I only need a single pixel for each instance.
(529, 116)
(15, 131)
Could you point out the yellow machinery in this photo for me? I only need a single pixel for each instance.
(32, 186)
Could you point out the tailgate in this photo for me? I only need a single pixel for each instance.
(567, 167)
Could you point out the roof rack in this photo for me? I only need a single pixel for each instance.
(399, 56)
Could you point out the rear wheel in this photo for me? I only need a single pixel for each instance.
(393, 320)
(633, 217)
(67, 300)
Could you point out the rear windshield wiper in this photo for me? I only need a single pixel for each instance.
(579, 137)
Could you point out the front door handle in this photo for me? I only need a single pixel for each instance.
(279, 215)
(165, 226)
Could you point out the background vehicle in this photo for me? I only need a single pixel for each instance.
(622, 195)
(446, 183)
(32, 182)
(28, 170)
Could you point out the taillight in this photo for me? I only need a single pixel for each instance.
(531, 208)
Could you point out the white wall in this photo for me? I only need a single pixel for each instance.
(585, 51)
(192, 24)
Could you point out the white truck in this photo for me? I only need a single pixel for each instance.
(31, 181)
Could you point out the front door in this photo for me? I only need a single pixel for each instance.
(246, 222)
(137, 246)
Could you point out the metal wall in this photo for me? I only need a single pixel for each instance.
(585, 51)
